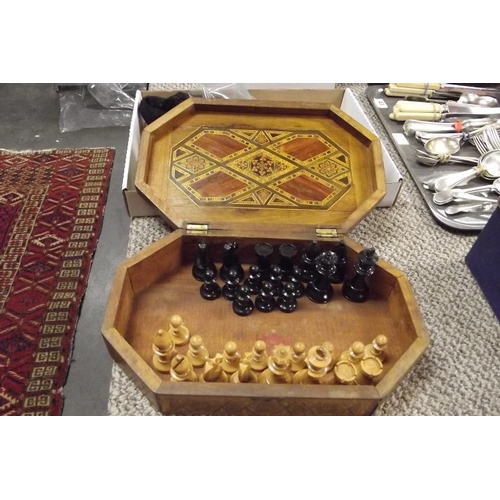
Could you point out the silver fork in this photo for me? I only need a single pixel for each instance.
(479, 144)
(494, 140)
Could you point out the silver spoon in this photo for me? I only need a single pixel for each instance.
(443, 145)
(488, 167)
(480, 100)
(448, 195)
(469, 207)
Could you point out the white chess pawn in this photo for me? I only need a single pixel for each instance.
(258, 357)
(298, 357)
(197, 352)
(377, 348)
(230, 357)
(178, 330)
(163, 351)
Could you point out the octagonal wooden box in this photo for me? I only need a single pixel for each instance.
(253, 172)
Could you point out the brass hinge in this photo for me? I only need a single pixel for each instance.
(326, 233)
(197, 228)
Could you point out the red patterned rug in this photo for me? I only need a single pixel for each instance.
(51, 213)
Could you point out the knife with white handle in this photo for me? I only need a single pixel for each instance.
(431, 111)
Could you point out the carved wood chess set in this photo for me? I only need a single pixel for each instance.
(260, 291)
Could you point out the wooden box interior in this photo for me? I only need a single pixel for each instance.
(157, 283)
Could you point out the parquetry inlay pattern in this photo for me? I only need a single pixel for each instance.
(254, 168)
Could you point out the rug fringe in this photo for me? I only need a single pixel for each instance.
(52, 150)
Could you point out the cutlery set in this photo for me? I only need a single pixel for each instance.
(443, 118)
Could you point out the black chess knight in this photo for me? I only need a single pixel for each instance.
(356, 289)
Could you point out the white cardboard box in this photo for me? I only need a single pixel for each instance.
(137, 205)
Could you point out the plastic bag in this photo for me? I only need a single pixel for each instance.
(226, 91)
(97, 105)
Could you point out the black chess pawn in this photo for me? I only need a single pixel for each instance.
(253, 281)
(287, 254)
(287, 302)
(230, 260)
(275, 278)
(320, 290)
(341, 253)
(265, 302)
(308, 264)
(202, 262)
(232, 285)
(210, 290)
(356, 289)
(296, 279)
(242, 303)
(263, 252)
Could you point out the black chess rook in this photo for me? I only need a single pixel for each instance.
(263, 252)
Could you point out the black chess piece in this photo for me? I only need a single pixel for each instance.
(210, 290)
(320, 290)
(356, 289)
(275, 278)
(232, 285)
(341, 253)
(230, 260)
(287, 301)
(242, 303)
(265, 302)
(287, 254)
(296, 279)
(263, 252)
(253, 281)
(308, 265)
(202, 262)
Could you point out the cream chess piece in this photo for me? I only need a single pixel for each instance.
(298, 357)
(230, 357)
(258, 357)
(178, 330)
(197, 352)
(371, 367)
(354, 354)
(345, 372)
(163, 351)
(213, 372)
(244, 374)
(377, 348)
(318, 361)
(331, 349)
(278, 371)
(181, 370)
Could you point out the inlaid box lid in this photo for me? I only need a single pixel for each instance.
(260, 166)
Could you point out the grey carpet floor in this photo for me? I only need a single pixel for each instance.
(459, 373)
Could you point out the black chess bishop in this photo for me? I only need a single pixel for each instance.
(202, 262)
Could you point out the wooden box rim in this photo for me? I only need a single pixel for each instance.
(309, 221)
